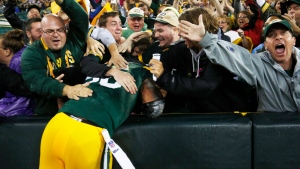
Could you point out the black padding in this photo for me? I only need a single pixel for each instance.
(20, 139)
(210, 141)
(276, 140)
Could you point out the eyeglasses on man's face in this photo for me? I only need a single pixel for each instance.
(51, 32)
(222, 22)
(244, 17)
(139, 19)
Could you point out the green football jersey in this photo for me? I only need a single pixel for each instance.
(110, 104)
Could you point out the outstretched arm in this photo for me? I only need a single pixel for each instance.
(11, 16)
(176, 4)
(134, 37)
(238, 60)
(93, 66)
(228, 6)
(95, 47)
(218, 6)
(238, 7)
(123, 78)
(116, 59)
(79, 23)
(184, 85)
(152, 5)
(108, 40)
(191, 31)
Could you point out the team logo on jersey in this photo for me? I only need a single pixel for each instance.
(111, 144)
(230, 49)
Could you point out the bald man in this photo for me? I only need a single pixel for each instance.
(56, 55)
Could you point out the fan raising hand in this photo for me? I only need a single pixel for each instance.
(191, 31)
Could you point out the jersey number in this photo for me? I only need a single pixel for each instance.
(104, 82)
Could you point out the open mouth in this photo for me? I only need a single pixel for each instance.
(160, 39)
(280, 48)
(56, 41)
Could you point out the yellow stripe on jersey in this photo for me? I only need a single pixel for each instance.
(265, 7)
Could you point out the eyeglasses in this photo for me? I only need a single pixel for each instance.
(33, 11)
(51, 32)
(139, 19)
(244, 17)
(222, 22)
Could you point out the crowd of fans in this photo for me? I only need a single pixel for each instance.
(22, 6)
(92, 65)
(141, 29)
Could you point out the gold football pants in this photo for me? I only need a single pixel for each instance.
(70, 144)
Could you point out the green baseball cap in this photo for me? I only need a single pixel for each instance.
(277, 22)
(289, 2)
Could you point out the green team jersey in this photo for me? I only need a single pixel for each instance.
(40, 64)
(110, 104)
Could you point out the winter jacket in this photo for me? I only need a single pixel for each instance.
(210, 88)
(276, 90)
(10, 104)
